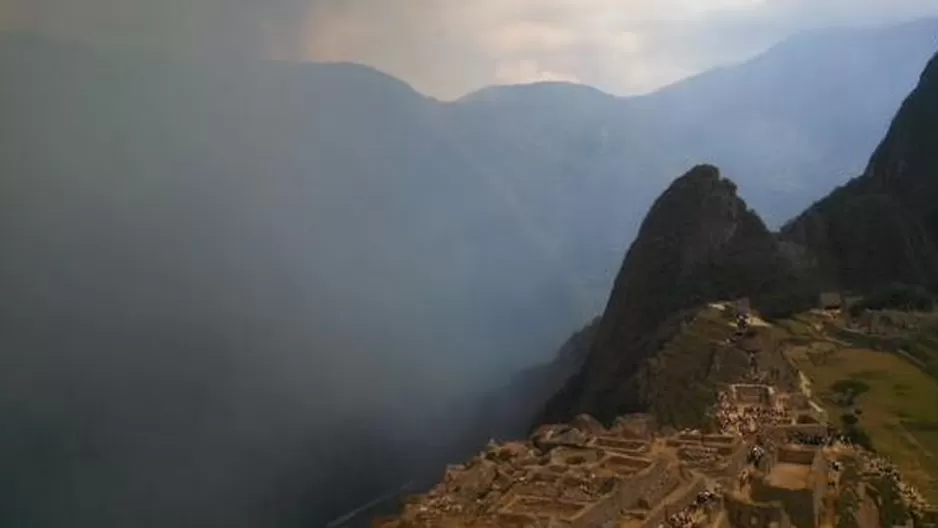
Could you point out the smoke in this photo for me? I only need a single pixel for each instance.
(239, 295)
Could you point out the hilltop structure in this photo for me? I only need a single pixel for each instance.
(769, 460)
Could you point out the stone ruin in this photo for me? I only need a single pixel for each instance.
(753, 394)
(929, 518)
(578, 475)
(804, 433)
(639, 426)
(830, 301)
(788, 490)
(740, 306)
(714, 455)
(889, 322)
(635, 475)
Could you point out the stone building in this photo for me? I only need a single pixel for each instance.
(753, 395)
(742, 512)
(795, 433)
(740, 306)
(929, 518)
(786, 490)
(830, 301)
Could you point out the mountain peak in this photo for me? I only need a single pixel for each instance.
(700, 242)
(885, 219)
(549, 90)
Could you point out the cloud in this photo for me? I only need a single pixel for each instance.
(528, 71)
(449, 47)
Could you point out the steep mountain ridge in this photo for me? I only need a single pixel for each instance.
(210, 212)
(882, 227)
(699, 242)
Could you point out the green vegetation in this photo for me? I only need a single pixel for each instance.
(898, 398)
(918, 344)
(849, 419)
(683, 376)
(778, 306)
(897, 297)
(847, 391)
(848, 502)
(847, 507)
(892, 511)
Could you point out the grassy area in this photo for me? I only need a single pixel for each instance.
(899, 401)
(924, 347)
(683, 376)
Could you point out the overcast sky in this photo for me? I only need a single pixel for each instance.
(446, 48)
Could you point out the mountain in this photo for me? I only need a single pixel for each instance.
(225, 275)
(798, 119)
(666, 344)
(882, 227)
(700, 242)
(786, 126)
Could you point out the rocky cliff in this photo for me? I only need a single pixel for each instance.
(699, 242)
(882, 226)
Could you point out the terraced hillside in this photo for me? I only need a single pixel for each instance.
(740, 410)
(876, 381)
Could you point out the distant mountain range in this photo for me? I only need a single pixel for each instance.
(657, 350)
(211, 267)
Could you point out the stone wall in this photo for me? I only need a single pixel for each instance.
(796, 455)
(803, 505)
(720, 439)
(572, 457)
(624, 445)
(799, 504)
(736, 461)
(740, 306)
(783, 434)
(744, 514)
(513, 519)
(930, 517)
(629, 492)
(798, 401)
(700, 438)
(752, 394)
(658, 486)
(598, 514)
(830, 301)
(686, 496)
(889, 321)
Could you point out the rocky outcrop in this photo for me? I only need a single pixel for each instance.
(882, 227)
(699, 242)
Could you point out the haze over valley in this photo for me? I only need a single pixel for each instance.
(245, 292)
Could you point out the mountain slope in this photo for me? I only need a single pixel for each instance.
(787, 126)
(699, 242)
(238, 241)
(882, 227)
(656, 347)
